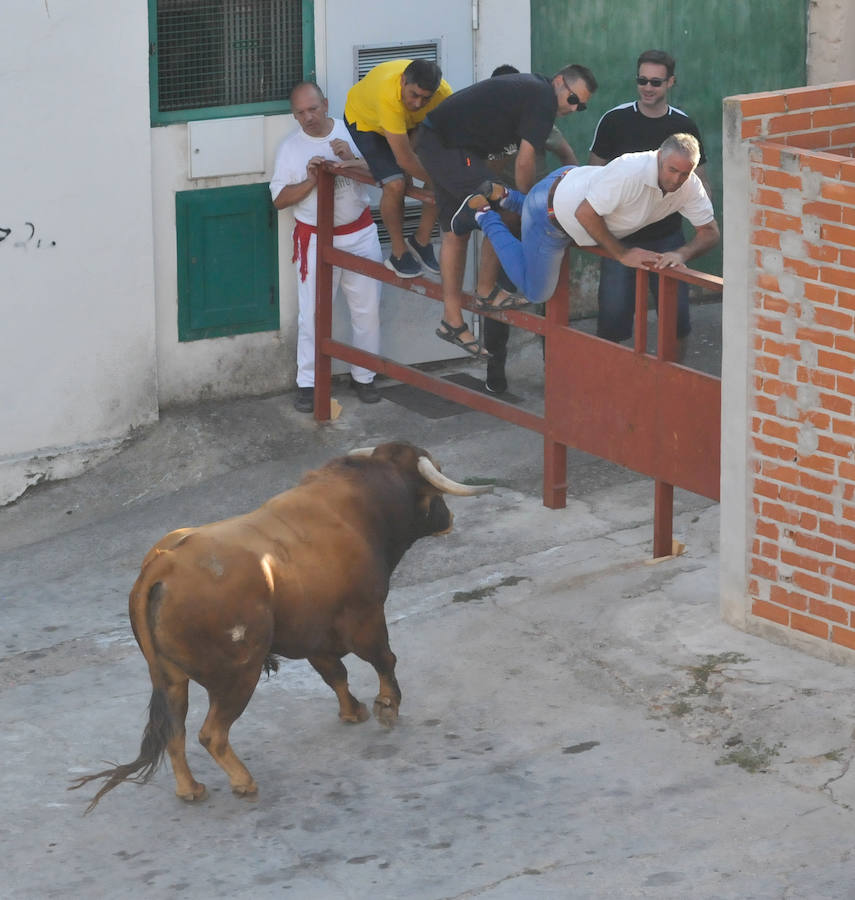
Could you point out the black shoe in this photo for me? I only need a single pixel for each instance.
(365, 390)
(496, 382)
(424, 254)
(465, 218)
(305, 399)
(405, 265)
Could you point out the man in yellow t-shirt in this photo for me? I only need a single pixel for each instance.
(381, 112)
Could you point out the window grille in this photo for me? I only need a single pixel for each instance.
(367, 56)
(210, 54)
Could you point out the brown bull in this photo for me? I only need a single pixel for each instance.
(304, 576)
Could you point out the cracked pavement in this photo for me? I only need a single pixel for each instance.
(575, 721)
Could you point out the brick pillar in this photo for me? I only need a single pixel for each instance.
(788, 367)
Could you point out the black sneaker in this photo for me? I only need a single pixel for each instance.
(405, 265)
(424, 254)
(496, 382)
(305, 399)
(365, 390)
(465, 219)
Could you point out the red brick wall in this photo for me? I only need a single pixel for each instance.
(802, 433)
(812, 118)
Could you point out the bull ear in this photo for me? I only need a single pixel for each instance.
(360, 451)
(432, 475)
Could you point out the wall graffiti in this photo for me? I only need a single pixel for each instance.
(23, 237)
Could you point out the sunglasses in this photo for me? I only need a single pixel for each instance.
(656, 82)
(573, 100)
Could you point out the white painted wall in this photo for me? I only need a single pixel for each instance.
(88, 295)
(503, 36)
(232, 366)
(831, 41)
(77, 363)
(349, 24)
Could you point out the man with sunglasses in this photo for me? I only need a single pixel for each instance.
(454, 142)
(643, 124)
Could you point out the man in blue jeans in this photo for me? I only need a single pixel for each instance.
(643, 124)
(595, 205)
(454, 143)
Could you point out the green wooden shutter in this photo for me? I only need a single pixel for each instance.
(228, 272)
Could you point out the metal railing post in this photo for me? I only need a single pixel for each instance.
(323, 295)
(554, 453)
(642, 288)
(666, 350)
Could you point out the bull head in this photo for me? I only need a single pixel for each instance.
(433, 476)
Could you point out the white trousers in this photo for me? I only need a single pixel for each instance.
(363, 298)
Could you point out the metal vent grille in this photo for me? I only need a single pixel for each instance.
(368, 56)
(227, 52)
(412, 213)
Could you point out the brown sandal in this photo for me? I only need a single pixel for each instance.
(451, 334)
(486, 304)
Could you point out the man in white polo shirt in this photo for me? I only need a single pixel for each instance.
(590, 205)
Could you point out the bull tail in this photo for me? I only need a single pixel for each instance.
(160, 728)
(156, 736)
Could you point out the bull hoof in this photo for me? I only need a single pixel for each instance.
(360, 715)
(249, 791)
(198, 792)
(385, 711)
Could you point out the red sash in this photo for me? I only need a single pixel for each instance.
(303, 234)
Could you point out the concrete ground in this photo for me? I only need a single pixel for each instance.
(576, 722)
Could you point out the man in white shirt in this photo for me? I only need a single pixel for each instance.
(630, 128)
(595, 205)
(294, 184)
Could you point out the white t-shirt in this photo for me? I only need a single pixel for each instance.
(292, 157)
(627, 195)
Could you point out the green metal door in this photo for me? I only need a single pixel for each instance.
(228, 270)
(723, 48)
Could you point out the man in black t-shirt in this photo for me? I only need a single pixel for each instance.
(456, 139)
(631, 127)
(492, 279)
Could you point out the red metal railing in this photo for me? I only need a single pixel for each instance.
(645, 412)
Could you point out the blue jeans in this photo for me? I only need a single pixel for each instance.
(534, 262)
(617, 292)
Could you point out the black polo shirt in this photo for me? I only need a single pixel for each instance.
(623, 129)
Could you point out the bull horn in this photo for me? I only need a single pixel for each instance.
(432, 475)
(360, 451)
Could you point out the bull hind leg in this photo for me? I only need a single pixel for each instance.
(186, 786)
(227, 702)
(333, 672)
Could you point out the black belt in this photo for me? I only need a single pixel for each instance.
(550, 212)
